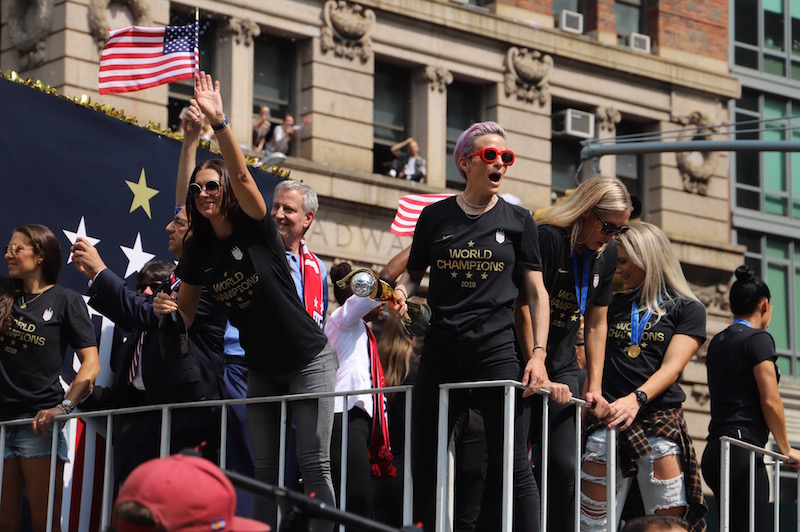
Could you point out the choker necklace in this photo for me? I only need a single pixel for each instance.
(25, 304)
(475, 206)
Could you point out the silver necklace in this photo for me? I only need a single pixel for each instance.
(475, 205)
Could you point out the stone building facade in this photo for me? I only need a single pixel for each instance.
(373, 72)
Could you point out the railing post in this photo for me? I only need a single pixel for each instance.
(2, 453)
(751, 492)
(441, 459)
(108, 488)
(51, 485)
(223, 441)
(725, 486)
(578, 441)
(408, 482)
(343, 456)
(165, 432)
(611, 480)
(509, 407)
(776, 491)
(545, 460)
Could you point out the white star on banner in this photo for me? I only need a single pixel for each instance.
(136, 256)
(80, 233)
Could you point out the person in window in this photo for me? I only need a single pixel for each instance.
(408, 164)
(579, 256)
(480, 250)
(284, 134)
(237, 253)
(262, 128)
(745, 402)
(654, 328)
(38, 319)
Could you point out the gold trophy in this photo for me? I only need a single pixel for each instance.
(364, 283)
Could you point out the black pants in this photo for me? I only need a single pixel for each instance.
(561, 465)
(739, 486)
(435, 369)
(359, 472)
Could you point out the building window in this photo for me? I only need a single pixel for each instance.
(273, 75)
(766, 35)
(464, 104)
(181, 91)
(768, 182)
(565, 146)
(630, 18)
(630, 166)
(577, 6)
(391, 112)
(777, 261)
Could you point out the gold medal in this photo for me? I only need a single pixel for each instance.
(581, 326)
(634, 350)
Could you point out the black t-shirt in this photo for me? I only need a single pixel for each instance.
(474, 271)
(623, 374)
(559, 279)
(32, 352)
(735, 401)
(248, 276)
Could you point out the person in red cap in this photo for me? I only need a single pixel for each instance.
(179, 493)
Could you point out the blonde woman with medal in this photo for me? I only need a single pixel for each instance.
(576, 240)
(654, 328)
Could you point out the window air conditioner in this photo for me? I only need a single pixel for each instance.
(569, 21)
(573, 123)
(638, 42)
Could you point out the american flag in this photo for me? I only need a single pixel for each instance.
(111, 183)
(409, 209)
(137, 58)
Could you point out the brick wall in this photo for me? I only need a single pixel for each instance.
(693, 27)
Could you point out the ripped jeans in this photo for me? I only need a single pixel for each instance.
(657, 494)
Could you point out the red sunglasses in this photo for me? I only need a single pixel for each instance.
(488, 154)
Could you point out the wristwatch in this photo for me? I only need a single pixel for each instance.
(68, 405)
(222, 125)
(640, 396)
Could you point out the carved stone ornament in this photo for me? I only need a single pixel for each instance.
(527, 74)
(98, 17)
(438, 78)
(714, 297)
(346, 30)
(244, 31)
(30, 42)
(608, 117)
(696, 168)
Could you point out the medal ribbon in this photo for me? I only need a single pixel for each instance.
(581, 289)
(637, 327)
(740, 321)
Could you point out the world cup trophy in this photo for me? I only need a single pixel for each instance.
(364, 283)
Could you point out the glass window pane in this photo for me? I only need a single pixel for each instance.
(777, 249)
(774, 65)
(748, 199)
(391, 111)
(273, 72)
(627, 18)
(561, 5)
(747, 169)
(795, 70)
(749, 101)
(774, 170)
(566, 156)
(773, 24)
(750, 240)
(745, 12)
(778, 281)
(746, 58)
(784, 365)
(775, 205)
(795, 8)
(463, 109)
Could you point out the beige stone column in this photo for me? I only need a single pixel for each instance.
(234, 69)
(605, 125)
(429, 120)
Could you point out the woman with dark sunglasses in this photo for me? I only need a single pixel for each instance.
(38, 319)
(576, 241)
(236, 253)
(655, 327)
(480, 249)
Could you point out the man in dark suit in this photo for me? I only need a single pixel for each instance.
(141, 375)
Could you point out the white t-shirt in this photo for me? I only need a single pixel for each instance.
(348, 335)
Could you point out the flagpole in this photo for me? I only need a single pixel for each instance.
(196, 42)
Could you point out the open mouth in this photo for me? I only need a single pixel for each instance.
(495, 177)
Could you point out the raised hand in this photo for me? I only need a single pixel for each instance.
(192, 122)
(208, 98)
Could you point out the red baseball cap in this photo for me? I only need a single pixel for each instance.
(184, 493)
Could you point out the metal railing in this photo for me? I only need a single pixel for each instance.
(725, 483)
(445, 456)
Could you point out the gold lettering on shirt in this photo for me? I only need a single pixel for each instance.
(476, 264)
(22, 332)
(233, 288)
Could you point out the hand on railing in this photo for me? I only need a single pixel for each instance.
(794, 459)
(622, 412)
(600, 407)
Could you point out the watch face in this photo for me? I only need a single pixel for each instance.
(641, 396)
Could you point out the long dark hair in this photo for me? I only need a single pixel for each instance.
(43, 242)
(747, 291)
(199, 225)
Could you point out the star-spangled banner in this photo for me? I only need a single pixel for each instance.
(83, 173)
